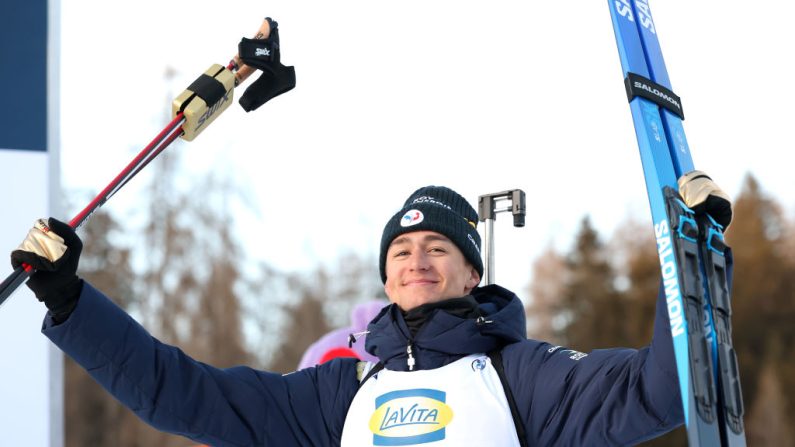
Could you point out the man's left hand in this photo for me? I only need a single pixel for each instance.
(703, 196)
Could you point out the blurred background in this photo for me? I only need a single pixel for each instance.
(249, 243)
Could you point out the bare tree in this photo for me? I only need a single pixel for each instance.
(319, 301)
(544, 312)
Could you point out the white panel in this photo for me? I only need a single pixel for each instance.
(25, 354)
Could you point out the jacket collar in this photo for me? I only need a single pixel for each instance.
(444, 338)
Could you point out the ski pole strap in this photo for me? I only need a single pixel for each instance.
(265, 55)
(715, 263)
(685, 251)
(637, 85)
(260, 53)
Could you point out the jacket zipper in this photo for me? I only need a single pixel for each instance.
(411, 361)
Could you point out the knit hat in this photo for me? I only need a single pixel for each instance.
(439, 209)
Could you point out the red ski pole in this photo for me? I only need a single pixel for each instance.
(193, 110)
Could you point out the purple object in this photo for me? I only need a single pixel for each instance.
(335, 343)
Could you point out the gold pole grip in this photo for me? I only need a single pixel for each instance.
(205, 99)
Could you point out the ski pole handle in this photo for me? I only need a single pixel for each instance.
(211, 93)
(243, 71)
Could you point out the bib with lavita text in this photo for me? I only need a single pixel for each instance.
(460, 404)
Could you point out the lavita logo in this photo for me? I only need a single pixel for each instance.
(410, 417)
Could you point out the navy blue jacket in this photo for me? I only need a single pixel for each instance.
(609, 397)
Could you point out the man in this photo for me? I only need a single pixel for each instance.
(455, 366)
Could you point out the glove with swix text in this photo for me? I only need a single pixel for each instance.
(703, 196)
(52, 249)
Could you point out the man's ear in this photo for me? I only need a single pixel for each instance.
(474, 278)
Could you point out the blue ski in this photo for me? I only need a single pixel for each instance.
(691, 253)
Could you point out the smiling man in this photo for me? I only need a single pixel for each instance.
(426, 267)
(430, 250)
(454, 365)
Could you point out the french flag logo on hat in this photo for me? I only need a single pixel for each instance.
(412, 217)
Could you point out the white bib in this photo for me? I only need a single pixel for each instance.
(460, 404)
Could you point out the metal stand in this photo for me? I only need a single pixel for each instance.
(487, 212)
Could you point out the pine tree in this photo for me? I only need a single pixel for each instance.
(763, 293)
(594, 315)
(626, 274)
(638, 269)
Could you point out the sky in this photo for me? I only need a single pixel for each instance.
(391, 96)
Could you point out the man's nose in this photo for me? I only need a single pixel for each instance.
(419, 260)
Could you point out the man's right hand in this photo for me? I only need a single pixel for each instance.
(52, 249)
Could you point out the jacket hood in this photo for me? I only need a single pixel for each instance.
(444, 338)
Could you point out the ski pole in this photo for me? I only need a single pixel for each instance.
(164, 138)
(487, 212)
(193, 110)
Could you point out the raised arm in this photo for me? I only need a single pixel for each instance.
(161, 384)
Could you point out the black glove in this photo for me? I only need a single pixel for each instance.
(265, 55)
(53, 250)
(703, 196)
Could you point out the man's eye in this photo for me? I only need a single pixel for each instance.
(437, 250)
(400, 253)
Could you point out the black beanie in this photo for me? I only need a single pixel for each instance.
(439, 209)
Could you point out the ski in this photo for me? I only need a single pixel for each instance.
(692, 251)
(713, 249)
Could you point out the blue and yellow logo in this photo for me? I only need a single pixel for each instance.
(408, 417)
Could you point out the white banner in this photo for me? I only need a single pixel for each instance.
(30, 366)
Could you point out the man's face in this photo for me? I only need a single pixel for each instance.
(426, 267)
